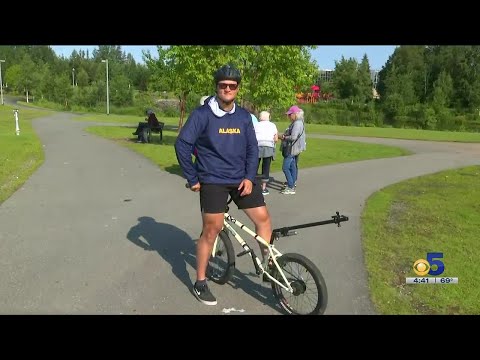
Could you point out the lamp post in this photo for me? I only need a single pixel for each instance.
(1, 81)
(108, 100)
(73, 77)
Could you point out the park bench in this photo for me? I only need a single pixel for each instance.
(155, 130)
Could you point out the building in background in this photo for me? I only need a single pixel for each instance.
(325, 76)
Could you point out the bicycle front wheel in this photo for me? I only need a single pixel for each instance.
(222, 262)
(309, 295)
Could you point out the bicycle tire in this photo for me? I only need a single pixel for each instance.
(319, 289)
(220, 269)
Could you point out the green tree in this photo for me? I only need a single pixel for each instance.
(113, 53)
(365, 85)
(269, 73)
(82, 77)
(442, 91)
(12, 77)
(63, 90)
(272, 73)
(28, 75)
(46, 85)
(121, 92)
(345, 79)
(400, 94)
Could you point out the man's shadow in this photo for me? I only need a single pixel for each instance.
(175, 246)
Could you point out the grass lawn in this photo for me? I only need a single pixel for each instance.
(319, 151)
(404, 222)
(411, 134)
(20, 155)
(123, 119)
(393, 133)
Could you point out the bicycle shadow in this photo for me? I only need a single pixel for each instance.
(262, 293)
(178, 249)
(173, 244)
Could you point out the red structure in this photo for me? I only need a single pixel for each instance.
(313, 96)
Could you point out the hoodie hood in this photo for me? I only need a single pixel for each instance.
(216, 108)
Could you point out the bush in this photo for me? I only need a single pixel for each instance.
(430, 120)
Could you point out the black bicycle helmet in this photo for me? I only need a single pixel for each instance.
(227, 72)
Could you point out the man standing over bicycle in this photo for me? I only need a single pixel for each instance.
(226, 164)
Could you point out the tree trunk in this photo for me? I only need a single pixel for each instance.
(183, 103)
(27, 96)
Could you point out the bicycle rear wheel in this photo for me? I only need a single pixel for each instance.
(309, 295)
(222, 263)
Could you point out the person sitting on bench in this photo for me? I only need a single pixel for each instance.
(143, 127)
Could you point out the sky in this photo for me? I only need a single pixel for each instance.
(325, 55)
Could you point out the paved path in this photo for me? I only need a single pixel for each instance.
(99, 229)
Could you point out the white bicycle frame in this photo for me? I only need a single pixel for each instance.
(274, 253)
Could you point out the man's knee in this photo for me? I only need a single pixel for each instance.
(211, 229)
(261, 217)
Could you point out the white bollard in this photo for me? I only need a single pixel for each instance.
(17, 128)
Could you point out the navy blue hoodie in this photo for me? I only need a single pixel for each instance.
(227, 147)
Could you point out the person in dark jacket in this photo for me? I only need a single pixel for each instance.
(226, 164)
(150, 122)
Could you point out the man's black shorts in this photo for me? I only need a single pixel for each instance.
(213, 197)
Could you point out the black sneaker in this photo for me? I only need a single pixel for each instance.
(203, 294)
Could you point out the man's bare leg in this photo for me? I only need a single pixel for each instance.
(212, 225)
(263, 225)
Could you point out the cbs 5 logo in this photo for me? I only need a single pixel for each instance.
(423, 267)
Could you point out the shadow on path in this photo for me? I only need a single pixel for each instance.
(276, 184)
(178, 249)
(254, 288)
(174, 245)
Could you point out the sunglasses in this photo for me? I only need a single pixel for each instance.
(223, 86)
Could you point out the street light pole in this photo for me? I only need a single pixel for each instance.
(73, 77)
(108, 99)
(1, 82)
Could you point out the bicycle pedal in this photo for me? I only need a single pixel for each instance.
(245, 252)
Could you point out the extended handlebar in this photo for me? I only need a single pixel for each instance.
(287, 230)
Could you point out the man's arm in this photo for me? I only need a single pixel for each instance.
(252, 153)
(183, 147)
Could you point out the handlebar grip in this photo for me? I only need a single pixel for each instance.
(286, 232)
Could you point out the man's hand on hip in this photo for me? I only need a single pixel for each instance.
(247, 186)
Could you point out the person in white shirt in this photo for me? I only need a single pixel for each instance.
(267, 135)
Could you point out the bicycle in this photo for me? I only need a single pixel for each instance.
(284, 282)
